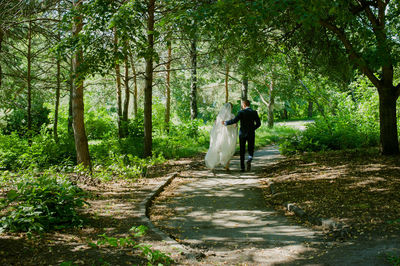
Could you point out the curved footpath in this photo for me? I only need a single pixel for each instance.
(225, 217)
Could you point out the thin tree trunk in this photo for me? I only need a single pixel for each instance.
(193, 91)
(310, 109)
(81, 142)
(135, 88)
(226, 84)
(1, 46)
(271, 104)
(119, 91)
(168, 89)
(245, 88)
(126, 100)
(148, 89)
(29, 80)
(58, 88)
(71, 96)
(285, 113)
(388, 122)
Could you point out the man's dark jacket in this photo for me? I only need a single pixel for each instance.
(249, 122)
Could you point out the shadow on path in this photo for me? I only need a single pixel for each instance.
(226, 215)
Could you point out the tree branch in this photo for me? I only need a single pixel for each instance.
(357, 59)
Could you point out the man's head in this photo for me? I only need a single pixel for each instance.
(245, 104)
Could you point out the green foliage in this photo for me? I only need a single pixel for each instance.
(39, 203)
(152, 256)
(99, 124)
(393, 259)
(16, 153)
(17, 119)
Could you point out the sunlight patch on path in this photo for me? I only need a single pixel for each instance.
(226, 213)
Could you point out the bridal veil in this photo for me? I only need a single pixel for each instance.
(222, 139)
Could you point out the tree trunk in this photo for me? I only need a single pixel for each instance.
(168, 89)
(148, 88)
(388, 122)
(58, 88)
(119, 92)
(126, 100)
(29, 80)
(193, 91)
(71, 96)
(226, 84)
(271, 104)
(135, 89)
(285, 114)
(245, 88)
(1, 46)
(81, 142)
(310, 109)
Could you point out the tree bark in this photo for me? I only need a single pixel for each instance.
(1, 46)
(168, 89)
(135, 89)
(71, 96)
(193, 91)
(118, 83)
(310, 109)
(245, 88)
(81, 142)
(29, 80)
(126, 100)
(388, 121)
(148, 88)
(271, 104)
(226, 84)
(56, 107)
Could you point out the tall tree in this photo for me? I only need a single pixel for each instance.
(363, 31)
(148, 88)
(193, 80)
(168, 88)
(81, 142)
(118, 84)
(124, 122)
(29, 77)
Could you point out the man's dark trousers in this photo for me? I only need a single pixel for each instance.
(250, 147)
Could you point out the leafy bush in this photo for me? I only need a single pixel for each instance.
(352, 127)
(100, 124)
(17, 119)
(41, 203)
(16, 153)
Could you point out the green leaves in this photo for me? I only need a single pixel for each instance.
(42, 203)
(12, 195)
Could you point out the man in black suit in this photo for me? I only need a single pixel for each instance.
(249, 122)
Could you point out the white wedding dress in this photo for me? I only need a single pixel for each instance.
(222, 139)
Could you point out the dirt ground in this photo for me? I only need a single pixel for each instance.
(357, 189)
(114, 209)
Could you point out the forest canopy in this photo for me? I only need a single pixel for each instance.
(85, 81)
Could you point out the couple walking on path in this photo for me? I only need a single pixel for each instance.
(224, 134)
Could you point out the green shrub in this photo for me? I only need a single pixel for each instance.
(41, 203)
(16, 153)
(100, 124)
(17, 119)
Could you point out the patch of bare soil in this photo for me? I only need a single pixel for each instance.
(114, 209)
(358, 188)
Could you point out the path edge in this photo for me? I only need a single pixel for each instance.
(145, 206)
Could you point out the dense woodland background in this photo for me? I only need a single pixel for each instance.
(117, 86)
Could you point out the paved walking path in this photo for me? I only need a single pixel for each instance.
(226, 216)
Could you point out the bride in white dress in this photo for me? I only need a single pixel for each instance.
(222, 140)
